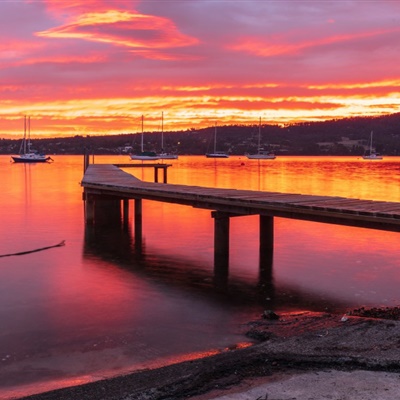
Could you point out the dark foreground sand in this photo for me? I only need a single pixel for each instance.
(296, 352)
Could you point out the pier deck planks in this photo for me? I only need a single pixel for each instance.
(106, 179)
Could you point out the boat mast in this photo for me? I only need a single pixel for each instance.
(259, 136)
(215, 139)
(29, 134)
(370, 145)
(24, 141)
(22, 148)
(162, 131)
(142, 135)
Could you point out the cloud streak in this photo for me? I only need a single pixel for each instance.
(127, 29)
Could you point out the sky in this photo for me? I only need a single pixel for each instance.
(94, 67)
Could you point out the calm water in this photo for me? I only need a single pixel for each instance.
(102, 305)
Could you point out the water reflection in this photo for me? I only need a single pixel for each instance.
(115, 244)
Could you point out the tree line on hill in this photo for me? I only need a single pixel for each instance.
(348, 136)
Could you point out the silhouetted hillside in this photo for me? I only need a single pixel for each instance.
(349, 136)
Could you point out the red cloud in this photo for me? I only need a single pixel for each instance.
(290, 44)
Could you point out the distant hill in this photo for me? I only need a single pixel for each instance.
(348, 136)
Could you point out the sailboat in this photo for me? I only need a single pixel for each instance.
(26, 154)
(215, 153)
(261, 154)
(144, 155)
(164, 155)
(372, 155)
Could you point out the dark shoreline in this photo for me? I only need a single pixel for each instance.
(294, 343)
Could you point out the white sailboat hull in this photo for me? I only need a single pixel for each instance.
(167, 156)
(143, 157)
(217, 155)
(261, 156)
(373, 157)
(31, 158)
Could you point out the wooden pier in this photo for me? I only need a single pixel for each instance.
(106, 186)
(156, 166)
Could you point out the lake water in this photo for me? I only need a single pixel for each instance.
(102, 305)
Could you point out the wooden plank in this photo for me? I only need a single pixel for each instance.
(144, 165)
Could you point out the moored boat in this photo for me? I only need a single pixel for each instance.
(26, 154)
(372, 154)
(31, 158)
(261, 154)
(144, 155)
(215, 153)
(163, 155)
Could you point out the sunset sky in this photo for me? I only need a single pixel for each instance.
(87, 67)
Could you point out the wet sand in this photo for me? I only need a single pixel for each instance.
(309, 347)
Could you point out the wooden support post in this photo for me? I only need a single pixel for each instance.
(165, 174)
(156, 174)
(221, 244)
(125, 214)
(85, 161)
(89, 208)
(266, 237)
(107, 211)
(266, 281)
(138, 222)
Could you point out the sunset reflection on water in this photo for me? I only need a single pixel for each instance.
(109, 303)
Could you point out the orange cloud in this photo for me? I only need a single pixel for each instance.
(122, 28)
(360, 85)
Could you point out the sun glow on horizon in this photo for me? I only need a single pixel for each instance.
(116, 116)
